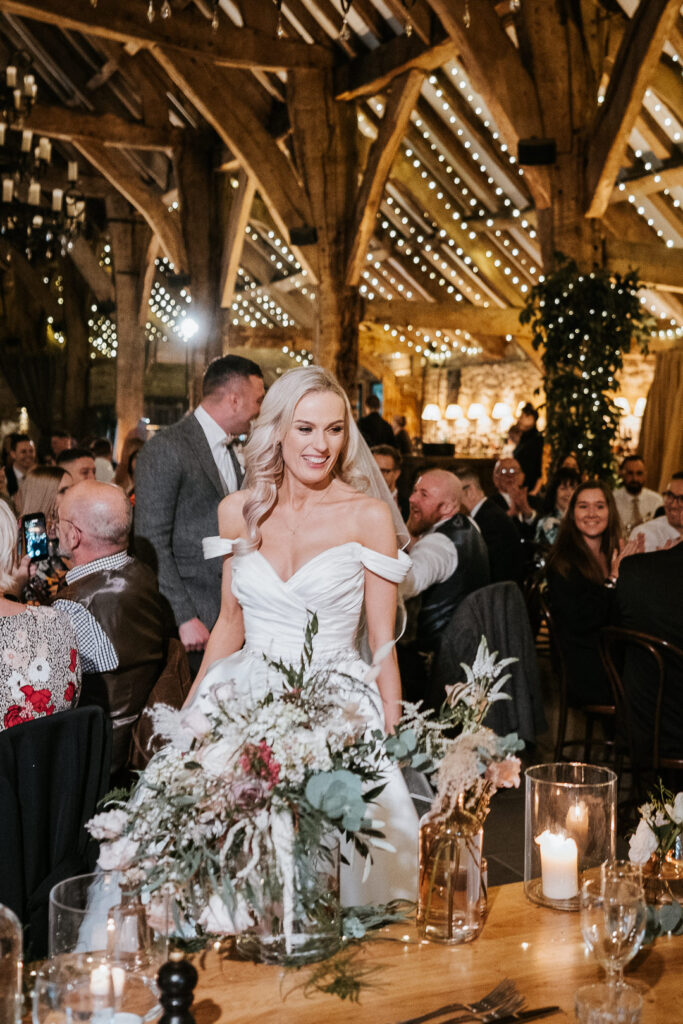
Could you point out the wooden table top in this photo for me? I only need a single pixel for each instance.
(540, 949)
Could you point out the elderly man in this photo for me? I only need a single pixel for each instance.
(113, 601)
(513, 496)
(635, 503)
(502, 538)
(667, 530)
(180, 477)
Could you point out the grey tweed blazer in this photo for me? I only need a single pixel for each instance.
(177, 491)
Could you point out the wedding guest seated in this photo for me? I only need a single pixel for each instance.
(40, 671)
(582, 570)
(512, 495)
(555, 506)
(389, 461)
(649, 597)
(121, 621)
(502, 539)
(450, 561)
(39, 492)
(667, 530)
(635, 503)
(79, 463)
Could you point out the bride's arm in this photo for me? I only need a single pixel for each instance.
(380, 610)
(227, 635)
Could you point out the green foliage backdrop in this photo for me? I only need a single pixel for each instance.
(585, 322)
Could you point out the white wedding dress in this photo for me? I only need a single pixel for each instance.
(276, 613)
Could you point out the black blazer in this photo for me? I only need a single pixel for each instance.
(376, 430)
(649, 597)
(580, 609)
(502, 540)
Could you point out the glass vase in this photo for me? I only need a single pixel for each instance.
(452, 885)
(11, 963)
(299, 917)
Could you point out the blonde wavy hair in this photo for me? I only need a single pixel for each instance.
(8, 548)
(263, 451)
(38, 491)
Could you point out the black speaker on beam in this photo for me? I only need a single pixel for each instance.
(303, 236)
(536, 152)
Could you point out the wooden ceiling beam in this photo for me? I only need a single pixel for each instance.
(13, 259)
(445, 316)
(185, 33)
(399, 106)
(374, 71)
(223, 97)
(646, 184)
(657, 266)
(98, 280)
(637, 59)
(667, 83)
(267, 337)
(108, 129)
(497, 73)
(117, 170)
(233, 241)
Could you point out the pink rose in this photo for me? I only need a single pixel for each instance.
(504, 774)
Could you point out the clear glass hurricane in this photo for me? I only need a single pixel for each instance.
(613, 917)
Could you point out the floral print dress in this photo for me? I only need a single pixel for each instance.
(40, 671)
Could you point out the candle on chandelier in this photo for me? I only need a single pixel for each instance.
(34, 193)
(45, 149)
(57, 196)
(26, 137)
(11, 76)
(73, 170)
(3, 130)
(7, 190)
(17, 99)
(29, 82)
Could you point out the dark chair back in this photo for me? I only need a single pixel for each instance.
(53, 773)
(559, 671)
(615, 644)
(172, 687)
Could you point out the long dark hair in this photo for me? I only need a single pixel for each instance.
(570, 550)
(564, 475)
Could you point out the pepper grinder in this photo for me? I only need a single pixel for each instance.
(177, 979)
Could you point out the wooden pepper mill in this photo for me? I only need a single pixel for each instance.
(177, 979)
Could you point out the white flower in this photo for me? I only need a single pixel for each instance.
(642, 844)
(119, 855)
(216, 919)
(677, 809)
(108, 825)
(38, 671)
(217, 758)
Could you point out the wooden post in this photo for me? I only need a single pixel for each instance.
(126, 238)
(77, 350)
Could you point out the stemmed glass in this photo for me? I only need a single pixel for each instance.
(613, 917)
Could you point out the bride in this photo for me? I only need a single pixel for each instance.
(302, 538)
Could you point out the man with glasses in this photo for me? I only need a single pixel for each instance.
(667, 530)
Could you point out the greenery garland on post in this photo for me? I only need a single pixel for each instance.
(585, 322)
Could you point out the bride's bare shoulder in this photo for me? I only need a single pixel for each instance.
(373, 512)
(230, 515)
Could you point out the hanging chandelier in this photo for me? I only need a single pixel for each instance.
(163, 9)
(18, 89)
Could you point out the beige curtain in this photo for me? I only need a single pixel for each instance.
(661, 437)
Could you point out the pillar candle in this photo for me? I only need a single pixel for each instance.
(26, 137)
(3, 130)
(29, 82)
(73, 170)
(7, 190)
(34, 193)
(559, 866)
(17, 99)
(44, 149)
(57, 195)
(11, 76)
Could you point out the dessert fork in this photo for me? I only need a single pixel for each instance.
(504, 998)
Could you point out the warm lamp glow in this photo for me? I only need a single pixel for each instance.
(476, 411)
(623, 404)
(639, 407)
(501, 411)
(454, 412)
(431, 411)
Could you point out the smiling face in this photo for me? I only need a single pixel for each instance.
(673, 504)
(634, 476)
(564, 495)
(315, 439)
(591, 513)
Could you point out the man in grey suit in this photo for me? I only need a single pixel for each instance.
(180, 477)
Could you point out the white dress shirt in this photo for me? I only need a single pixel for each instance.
(435, 559)
(648, 503)
(218, 443)
(657, 532)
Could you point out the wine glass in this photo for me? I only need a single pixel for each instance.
(613, 917)
(74, 988)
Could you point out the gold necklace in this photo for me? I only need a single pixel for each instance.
(304, 517)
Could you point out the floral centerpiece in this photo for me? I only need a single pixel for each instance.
(657, 844)
(471, 766)
(237, 818)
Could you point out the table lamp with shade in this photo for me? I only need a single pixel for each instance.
(454, 412)
(431, 412)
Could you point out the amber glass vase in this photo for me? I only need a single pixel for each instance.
(452, 886)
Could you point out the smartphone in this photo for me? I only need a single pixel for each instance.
(35, 536)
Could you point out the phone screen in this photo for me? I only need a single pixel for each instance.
(35, 536)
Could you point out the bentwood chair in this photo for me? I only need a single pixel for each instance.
(659, 661)
(593, 713)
